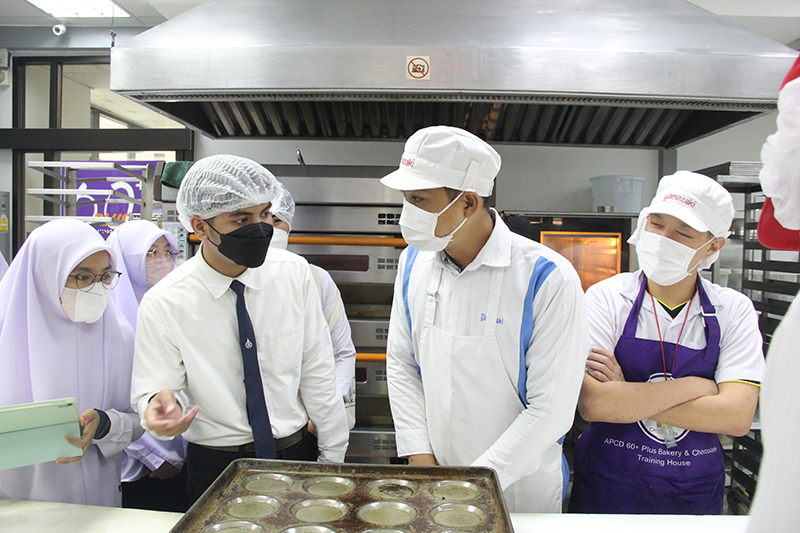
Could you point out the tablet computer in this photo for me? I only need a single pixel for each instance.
(33, 433)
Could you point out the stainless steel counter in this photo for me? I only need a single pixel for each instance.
(24, 516)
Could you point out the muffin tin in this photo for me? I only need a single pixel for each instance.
(262, 496)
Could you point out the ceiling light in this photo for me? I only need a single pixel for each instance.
(62, 9)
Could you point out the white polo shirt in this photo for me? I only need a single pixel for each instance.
(541, 302)
(188, 339)
(609, 302)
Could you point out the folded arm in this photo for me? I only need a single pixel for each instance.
(693, 403)
(730, 412)
(607, 397)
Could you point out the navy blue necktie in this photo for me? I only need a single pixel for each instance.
(257, 412)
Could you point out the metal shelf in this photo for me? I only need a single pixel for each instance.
(44, 218)
(66, 197)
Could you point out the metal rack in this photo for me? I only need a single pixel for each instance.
(771, 279)
(66, 196)
(745, 463)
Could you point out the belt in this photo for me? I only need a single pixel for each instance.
(250, 447)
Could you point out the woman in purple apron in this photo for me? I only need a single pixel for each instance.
(628, 461)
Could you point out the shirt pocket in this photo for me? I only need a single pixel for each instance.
(286, 347)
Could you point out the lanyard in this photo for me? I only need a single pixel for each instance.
(660, 340)
(669, 433)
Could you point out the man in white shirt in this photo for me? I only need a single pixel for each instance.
(227, 309)
(775, 506)
(344, 352)
(487, 336)
(675, 360)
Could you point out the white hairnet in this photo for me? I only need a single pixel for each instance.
(283, 205)
(223, 183)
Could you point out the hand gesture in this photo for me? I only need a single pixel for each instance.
(89, 421)
(602, 365)
(165, 417)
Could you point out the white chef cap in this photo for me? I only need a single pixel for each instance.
(223, 183)
(695, 199)
(444, 156)
(283, 205)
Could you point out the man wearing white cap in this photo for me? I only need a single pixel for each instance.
(232, 350)
(487, 337)
(675, 360)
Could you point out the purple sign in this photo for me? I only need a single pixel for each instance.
(119, 211)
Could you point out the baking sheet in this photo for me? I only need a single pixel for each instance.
(302, 497)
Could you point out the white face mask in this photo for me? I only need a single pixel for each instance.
(280, 239)
(663, 260)
(156, 269)
(85, 306)
(419, 227)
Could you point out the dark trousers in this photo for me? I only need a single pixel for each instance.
(157, 494)
(205, 465)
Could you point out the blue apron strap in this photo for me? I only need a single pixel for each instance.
(411, 256)
(713, 334)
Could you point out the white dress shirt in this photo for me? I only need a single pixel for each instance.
(344, 352)
(554, 356)
(188, 340)
(609, 302)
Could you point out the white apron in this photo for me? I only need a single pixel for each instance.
(470, 401)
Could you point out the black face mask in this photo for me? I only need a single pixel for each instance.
(246, 246)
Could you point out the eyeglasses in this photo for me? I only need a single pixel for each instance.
(158, 254)
(86, 281)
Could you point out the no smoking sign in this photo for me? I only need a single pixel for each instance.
(418, 68)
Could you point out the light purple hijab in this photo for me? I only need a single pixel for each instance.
(131, 241)
(44, 356)
(3, 266)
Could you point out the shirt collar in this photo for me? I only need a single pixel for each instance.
(630, 290)
(495, 253)
(218, 283)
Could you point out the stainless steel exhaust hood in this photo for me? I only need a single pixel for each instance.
(653, 73)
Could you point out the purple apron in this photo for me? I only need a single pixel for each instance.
(627, 468)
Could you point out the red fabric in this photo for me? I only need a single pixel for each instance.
(770, 232)
(794, 72)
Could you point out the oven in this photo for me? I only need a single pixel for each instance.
(595, 243)
(347, 223)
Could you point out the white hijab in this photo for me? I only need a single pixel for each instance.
(3, 266)
(131, 241)
(44, 356)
